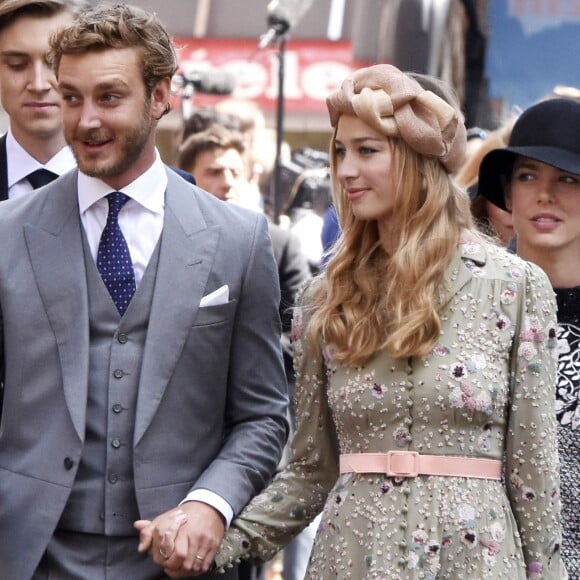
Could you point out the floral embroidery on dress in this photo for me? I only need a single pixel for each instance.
(503, 322)
(424, 554)
(465, 396)
(508, 296)
(491, 541)
(297, 330)
(476, 363)
(470, 245)
(440, 350)
(484, 439)
(527, 351)
(401, 436)
(515, 480)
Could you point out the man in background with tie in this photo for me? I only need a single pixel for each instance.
(144, 389)
(33, 151)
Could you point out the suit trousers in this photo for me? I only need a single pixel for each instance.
(74, 555)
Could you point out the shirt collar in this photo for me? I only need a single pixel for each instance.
(20, 163)
(148, 189)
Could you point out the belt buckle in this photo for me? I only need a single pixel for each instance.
(398, 463)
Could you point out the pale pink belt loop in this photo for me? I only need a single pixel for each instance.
(412, 464)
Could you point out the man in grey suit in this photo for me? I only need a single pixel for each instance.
(144, 390)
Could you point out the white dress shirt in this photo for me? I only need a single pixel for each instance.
(20, 164)
(141, 221)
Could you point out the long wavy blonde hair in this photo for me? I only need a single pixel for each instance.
(370, 301)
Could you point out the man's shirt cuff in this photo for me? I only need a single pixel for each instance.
(214, 500)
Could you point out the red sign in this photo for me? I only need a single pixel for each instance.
(312, 69)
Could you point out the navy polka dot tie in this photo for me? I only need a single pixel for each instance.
(113, 257)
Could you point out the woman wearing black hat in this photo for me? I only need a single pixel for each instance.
(537, 177)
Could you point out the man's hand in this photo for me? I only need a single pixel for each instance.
(183, 540)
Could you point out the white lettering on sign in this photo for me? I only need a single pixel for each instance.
(322, 78)
(311, 72)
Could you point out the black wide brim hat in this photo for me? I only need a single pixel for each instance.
(548, 132)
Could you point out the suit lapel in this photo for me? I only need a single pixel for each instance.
(3, 169)
(56, 254)
(186, 256)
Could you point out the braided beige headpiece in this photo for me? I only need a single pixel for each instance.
(396, 105)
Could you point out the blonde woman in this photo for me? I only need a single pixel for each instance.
(425, 362)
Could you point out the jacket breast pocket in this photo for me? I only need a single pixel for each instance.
(218, 314)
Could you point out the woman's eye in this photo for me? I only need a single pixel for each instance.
(523, 176)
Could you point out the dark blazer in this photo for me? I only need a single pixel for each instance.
(3, 169)
(212, 402)
(293, 271)
(184, 174)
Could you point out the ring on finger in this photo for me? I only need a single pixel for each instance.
(163, 553)
(198, 557)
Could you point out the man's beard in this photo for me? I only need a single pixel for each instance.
(127, 147)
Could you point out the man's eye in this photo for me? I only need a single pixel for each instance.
(17, 66)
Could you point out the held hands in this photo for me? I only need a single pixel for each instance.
(183, 540)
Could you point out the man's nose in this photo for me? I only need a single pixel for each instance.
(89, 116)
(42, 77)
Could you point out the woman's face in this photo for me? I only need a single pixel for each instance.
(364, 167)
(545, 206)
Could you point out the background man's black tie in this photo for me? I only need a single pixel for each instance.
(41, 177)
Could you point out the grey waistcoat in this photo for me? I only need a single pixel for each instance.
(103, 500)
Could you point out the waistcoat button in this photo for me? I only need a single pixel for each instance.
(68, 463)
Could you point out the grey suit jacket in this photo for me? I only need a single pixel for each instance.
(212, 394)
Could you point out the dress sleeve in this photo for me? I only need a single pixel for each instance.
(297, 494)
(532, 450)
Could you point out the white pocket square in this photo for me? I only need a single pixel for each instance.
(219, 296)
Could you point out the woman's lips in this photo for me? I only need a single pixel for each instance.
(545, 222)
(354, 194)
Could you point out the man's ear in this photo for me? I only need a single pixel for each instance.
(161, 98)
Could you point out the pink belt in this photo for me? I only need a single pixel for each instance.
(412, 464)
